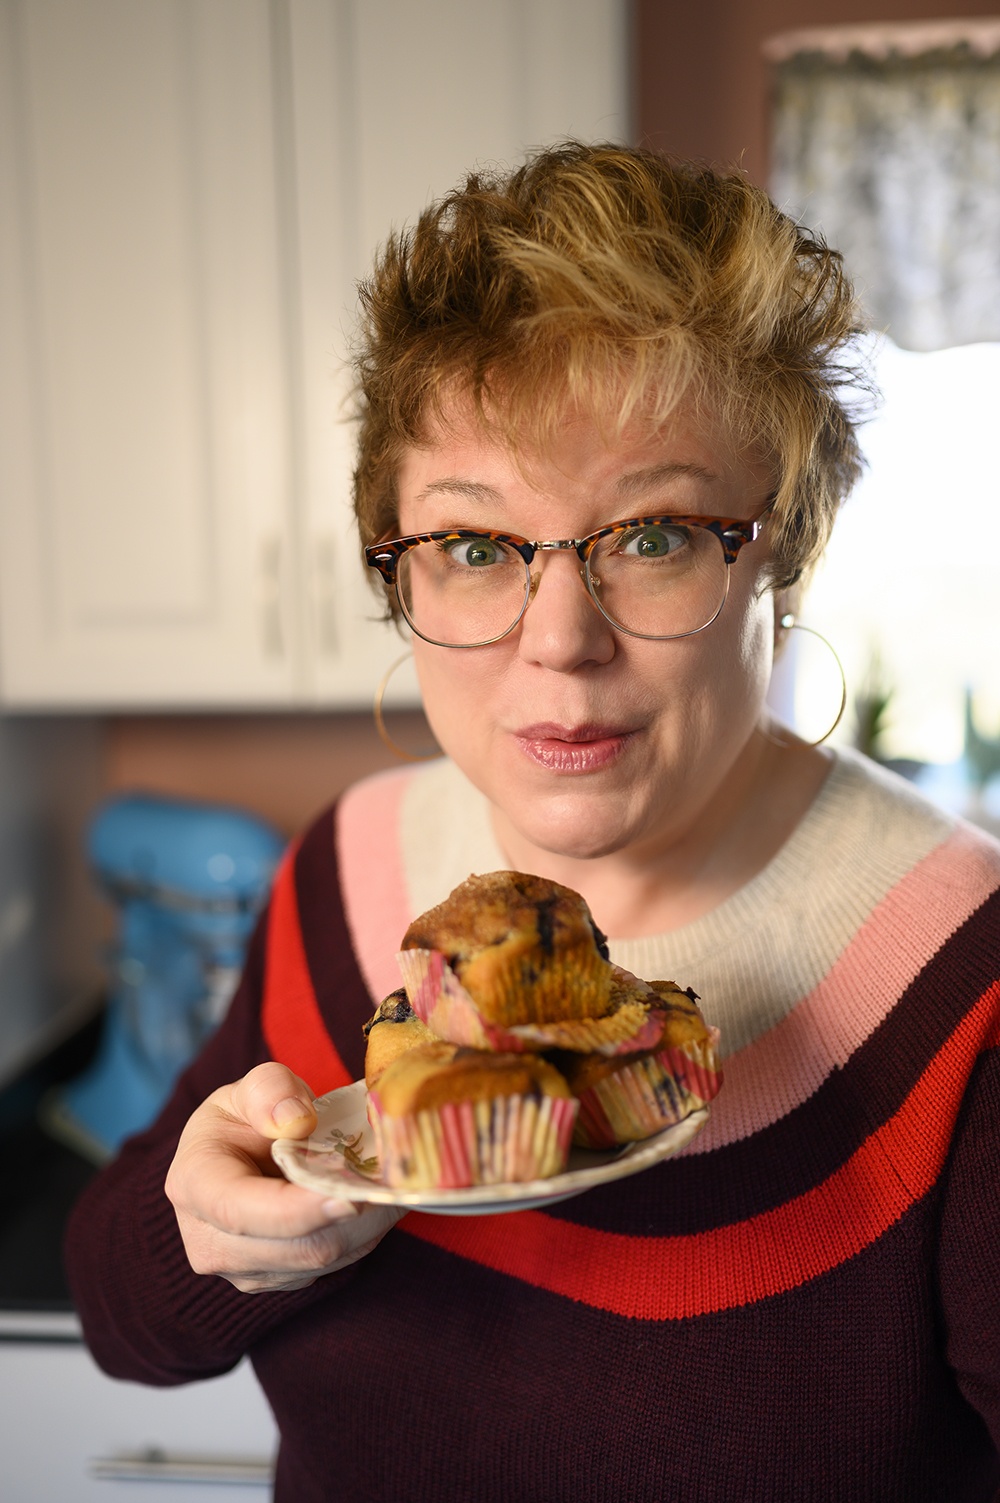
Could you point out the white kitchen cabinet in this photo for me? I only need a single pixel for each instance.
(70, 1434)
(146, 524)
(189, 190)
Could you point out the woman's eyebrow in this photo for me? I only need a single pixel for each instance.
(455, 486)
(633, 484)
(639, 481)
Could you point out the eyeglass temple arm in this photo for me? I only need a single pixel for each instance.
(736, 535)
(379, 556)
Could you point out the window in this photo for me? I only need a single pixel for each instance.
(909, 592)
(886, 139)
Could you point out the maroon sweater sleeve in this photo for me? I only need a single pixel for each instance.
(146, 1315)
(969, 1257)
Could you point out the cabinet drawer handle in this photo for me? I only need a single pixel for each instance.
(154, 1463)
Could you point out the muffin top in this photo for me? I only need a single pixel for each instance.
(526, 949)
(433, 1074)
(484, 910)
(393, 1030)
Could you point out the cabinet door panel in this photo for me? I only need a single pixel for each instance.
(189, 191)
(144, 279)
(413, 95)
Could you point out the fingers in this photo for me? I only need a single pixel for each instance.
(273, 1101)
(257, 1264)
(223, 1174)
(225, 1188)
(238, 1218)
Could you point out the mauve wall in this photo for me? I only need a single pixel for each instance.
(284, 767)
(701, 84)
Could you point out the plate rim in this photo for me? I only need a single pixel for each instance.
(633, 1158)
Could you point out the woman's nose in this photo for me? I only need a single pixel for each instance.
(562, 627)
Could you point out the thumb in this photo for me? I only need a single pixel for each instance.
(275, 1102)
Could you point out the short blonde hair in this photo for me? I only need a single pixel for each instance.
(621, 281)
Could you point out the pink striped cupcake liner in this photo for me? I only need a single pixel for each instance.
(441, 1001)
(508, 1139)
(649, 1094)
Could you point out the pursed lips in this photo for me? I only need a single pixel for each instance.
(581, 748)
(549, 730)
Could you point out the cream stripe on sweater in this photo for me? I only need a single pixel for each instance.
(796, 969)
(769, 945)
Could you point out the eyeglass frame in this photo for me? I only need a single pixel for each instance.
(733, 534)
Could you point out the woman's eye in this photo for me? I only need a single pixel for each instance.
(652, 542)
(474, 553)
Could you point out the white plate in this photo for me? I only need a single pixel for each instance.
(339, 1160)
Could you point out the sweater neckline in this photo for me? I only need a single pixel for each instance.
(833, 813)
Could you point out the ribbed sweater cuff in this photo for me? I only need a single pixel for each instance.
(154, 1319)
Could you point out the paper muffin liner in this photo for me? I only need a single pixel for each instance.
(498, 1141)
(529, 983)
(649, 1094)
(441, 1001)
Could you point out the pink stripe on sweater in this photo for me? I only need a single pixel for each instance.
(372, 881)
(783, 1067)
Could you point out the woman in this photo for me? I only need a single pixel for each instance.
(801, 1305)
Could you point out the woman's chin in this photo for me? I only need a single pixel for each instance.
(578, 829)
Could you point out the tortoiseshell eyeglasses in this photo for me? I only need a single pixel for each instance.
(654, 577)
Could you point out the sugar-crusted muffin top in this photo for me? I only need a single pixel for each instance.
(525, 948)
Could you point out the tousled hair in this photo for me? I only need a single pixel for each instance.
(622, 282)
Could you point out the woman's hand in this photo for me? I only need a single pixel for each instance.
(238, 1217)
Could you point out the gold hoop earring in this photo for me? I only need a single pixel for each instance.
(380, 723)
(789, 623)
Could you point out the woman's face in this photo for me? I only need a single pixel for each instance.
(588, 741)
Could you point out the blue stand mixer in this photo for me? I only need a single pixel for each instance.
(188, 880)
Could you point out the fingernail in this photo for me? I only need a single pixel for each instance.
(289, 1110)
(338, 1210)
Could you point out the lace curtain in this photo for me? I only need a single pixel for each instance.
(886, 139)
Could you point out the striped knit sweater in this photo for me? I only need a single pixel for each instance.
(804, 1305)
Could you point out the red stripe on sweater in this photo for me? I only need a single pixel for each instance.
(669, 1278)
(292, 1023)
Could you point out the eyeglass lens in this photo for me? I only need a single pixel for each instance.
(653, 581)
